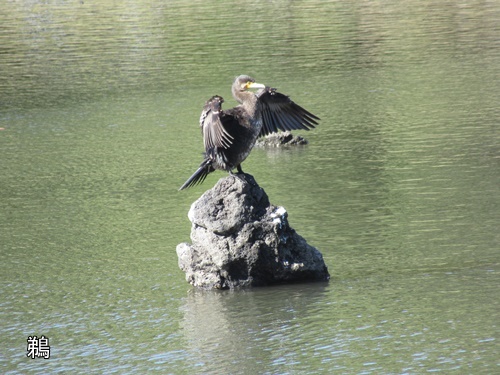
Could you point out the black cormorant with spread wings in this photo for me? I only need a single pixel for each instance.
(229, 135)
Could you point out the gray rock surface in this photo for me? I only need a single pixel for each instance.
(281, 139)
(239, 239)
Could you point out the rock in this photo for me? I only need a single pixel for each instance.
(281, 139)
(239, 239)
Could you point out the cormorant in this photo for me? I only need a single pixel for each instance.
(230, 135)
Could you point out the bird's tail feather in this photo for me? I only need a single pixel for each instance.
(199, 176)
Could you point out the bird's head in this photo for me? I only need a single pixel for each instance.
(244, 82)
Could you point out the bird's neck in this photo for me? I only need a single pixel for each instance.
(243, 96)
(248, 100)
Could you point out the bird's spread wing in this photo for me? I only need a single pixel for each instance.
(279, 112)
(214, 133)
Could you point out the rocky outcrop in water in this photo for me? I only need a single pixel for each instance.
(239, 239)
(281, 139)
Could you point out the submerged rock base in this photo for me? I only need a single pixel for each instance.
(239, 239)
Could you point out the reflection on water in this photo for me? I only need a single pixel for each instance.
(398, 187)
(361, 326)
(231, 332)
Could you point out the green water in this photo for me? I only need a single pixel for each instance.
(398, 188)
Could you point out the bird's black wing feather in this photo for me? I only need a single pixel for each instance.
(279, 112)
(214, 133)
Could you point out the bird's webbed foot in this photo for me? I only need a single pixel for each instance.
(240, 174)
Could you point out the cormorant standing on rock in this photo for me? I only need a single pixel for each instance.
(230, 135)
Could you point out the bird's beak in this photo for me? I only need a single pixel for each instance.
(255, 85)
